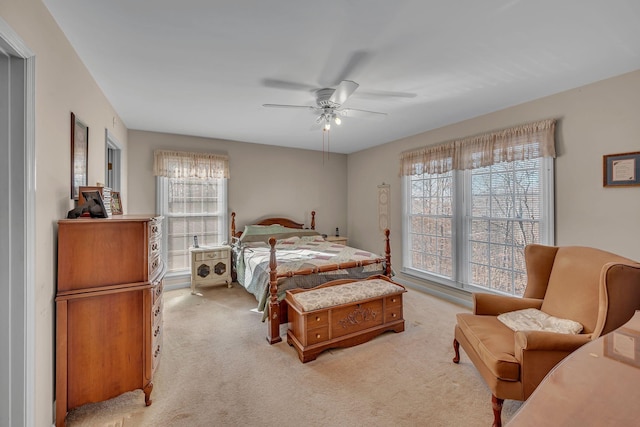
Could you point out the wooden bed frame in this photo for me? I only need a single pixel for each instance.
(278, 310)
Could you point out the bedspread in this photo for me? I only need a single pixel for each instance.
(252, 265)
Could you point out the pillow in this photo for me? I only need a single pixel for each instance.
(293, 240)
(262, 233)
(259, 233)
(532, 319)
(312, 238)
(255, 245)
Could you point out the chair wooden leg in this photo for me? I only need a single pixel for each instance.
(497, 410)
(456, 348)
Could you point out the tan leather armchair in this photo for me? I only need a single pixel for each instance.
(599, 289)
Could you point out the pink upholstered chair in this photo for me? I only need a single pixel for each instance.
(598, 289)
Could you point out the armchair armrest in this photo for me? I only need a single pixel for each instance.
(493, 305)
(548, 341)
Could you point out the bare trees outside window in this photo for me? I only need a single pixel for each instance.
(469, 228)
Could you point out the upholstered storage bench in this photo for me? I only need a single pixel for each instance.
(342, 313)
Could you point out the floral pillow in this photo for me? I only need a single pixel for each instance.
(532, 319)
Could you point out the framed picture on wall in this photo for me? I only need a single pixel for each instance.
(621, 170)
(79, 155)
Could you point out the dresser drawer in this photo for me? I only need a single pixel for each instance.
(317, 335)
(317, 319)
(155, 264)
(210, 255)
(393, 313)
(393, 300)
(155, 228)
(156, 292)
(156, 312)
(155, 247)
(156, 350)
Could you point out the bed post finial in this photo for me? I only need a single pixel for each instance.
(313, 220)
(273, 319)
(387, 253)
(233, 225)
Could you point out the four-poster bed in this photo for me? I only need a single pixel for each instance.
(275, 254)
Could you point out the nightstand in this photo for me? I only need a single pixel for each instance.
(341, 240)
(210, 266)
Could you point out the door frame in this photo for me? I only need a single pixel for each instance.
(21, 145)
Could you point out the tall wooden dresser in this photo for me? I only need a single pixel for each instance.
(108, 308)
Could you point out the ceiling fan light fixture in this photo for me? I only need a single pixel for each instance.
(338, 120)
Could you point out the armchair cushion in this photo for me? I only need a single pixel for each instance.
(531, 319)
(493, 342)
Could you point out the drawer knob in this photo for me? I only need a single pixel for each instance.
(318, 335)
(393, 315)
(317, 318)
(393, 300)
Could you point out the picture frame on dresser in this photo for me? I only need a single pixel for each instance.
(98, 210)
(116, 203)
(79, 155)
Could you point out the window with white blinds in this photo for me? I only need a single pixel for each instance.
(192, 207)
(469, 228)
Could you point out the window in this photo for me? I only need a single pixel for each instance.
(192, 196)
(467, 228)
(192, 207)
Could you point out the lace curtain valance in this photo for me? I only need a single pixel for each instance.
(523, 142)
(180, 164)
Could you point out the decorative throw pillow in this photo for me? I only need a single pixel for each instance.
(532, 319)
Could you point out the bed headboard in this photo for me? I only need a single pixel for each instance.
(285, 222)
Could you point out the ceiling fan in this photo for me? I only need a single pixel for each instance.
(329, 105)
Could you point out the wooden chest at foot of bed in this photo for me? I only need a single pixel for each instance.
(342, 313)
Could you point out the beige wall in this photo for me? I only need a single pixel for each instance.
(63, 85)
(594, 120)
(265, 180)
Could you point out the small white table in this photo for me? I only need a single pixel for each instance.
(210, 266)
(341, 240)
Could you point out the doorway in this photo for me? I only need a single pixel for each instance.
(17, 229)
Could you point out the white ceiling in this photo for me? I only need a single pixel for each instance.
(204, 68)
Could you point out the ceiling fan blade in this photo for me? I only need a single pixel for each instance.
(307, 107)
(385, 94)
(355, 63)
(283, 84)
(343, 91)
(355, 112)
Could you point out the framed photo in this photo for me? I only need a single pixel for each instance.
(116, 203)
(623, 345)
(621, 170)
(96, 205)
(79, 155)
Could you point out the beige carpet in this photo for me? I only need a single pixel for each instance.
(218, 370)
